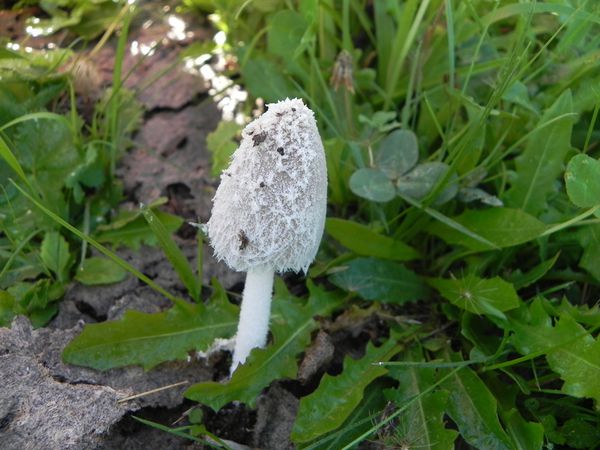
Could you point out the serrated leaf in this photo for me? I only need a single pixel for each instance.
(358, 422)
(326, 408)
(380, 280)
(373, 185)
(363, 241)
(397, 153)
(134, 233)
(582, 179)
(473, 408)
(291, 326)
(97, 270)
(478, 295)
(55, 254)
(504, 227)
(570, 350)
(541, 162)
(420, 182)
(149, 339)
(422, 424)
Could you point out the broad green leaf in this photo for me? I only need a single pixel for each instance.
(422, 424)
(221, 144)
(89, 174)
(149, 339)
(525, 435)
(285, 32)
(358, 422)
(504, 227)
(518, 93)
(541, 162)
(381, 121)
(380, 280)
(135, 231)
(291, 326)
(98, 270)
(173, 253)
(478, 295)
(570, 350)
(473, 408)
(263, 78)
(582, 179)
(7, 308)
(326, 408)
(581, 433)
(36, 299)
(55, 254)
(365, 242)
(373, 185)
(106, 252)
(420, 182)
(397, 153)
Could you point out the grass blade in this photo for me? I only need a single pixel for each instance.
(173, 253)
(102, 249)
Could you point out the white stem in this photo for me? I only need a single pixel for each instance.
(253, 326)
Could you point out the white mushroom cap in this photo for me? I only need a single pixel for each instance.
(269, 210)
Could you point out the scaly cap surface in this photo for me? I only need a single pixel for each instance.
(269, 209)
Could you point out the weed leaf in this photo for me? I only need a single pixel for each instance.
(525, 435)
(98, 270)
(291, 326)
(380, 280)
(373, 185)
(55, 254)
(363, 241)
(541, 162)
(398, 152)
(473, 408)
(477, 295)
(420, 182)
(570, 350)
(422, 424)
(504, 227)
(333, 401)
(582, 179)
(149, 339)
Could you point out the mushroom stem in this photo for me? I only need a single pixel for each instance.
(254, 315)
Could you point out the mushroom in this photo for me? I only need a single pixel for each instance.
(269, 211)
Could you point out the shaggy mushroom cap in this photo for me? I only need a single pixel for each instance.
(269, 210)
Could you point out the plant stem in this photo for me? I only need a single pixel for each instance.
(254, 315)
